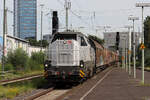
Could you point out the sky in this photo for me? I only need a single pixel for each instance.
(87, 16)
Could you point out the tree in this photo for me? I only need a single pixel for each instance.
(147, 32)
(38, 57)
(44, 43)
(34, 42)
(18, 59)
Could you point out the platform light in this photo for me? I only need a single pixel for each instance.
(142, 5)
(133, 19)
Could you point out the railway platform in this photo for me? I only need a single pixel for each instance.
(113, 84)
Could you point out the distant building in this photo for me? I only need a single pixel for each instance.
(110, 40)
(47, 37)
(25, 16)
(12, 43)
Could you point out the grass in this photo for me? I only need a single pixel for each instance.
(147, 68)
(10, 92)
(18, 74)
(146, 98)
(15, 89)
(144, 84)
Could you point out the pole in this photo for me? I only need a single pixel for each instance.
(4, 31)
(124, 54)
(134, 72)
(143, 43)
(118, 60)
(129, 51)
(66, 15)
(122, 59)
(126, 57)
(41, 25)
(67, 6)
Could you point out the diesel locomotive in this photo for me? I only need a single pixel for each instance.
(72, 56)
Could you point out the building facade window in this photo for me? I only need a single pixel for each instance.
(25, 18)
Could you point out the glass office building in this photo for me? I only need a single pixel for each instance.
(25, 18)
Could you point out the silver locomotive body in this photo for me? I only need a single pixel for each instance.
(70, 57)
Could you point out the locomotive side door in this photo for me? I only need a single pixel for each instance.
(84, 50)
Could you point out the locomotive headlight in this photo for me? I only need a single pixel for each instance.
(81, 64)
(46, 65)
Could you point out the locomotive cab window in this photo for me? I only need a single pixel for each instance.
(64, 37)
(83, 42)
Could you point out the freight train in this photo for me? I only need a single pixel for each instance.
(72, 56)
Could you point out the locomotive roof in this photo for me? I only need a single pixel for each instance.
(70, 32)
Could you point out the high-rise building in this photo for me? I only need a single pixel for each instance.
(25, 16)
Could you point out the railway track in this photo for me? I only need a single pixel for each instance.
(54, 93)
(5, 82)
(32, 97)
(49, 94)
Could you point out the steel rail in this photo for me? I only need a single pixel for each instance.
(4, 82)
(41, 93)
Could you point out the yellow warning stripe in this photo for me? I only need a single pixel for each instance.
(82, 72)
(81, 75)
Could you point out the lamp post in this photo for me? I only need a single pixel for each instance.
(126, 55)
(129, 48)
(41, 24)
(4, 31)
(67, 7)
(142, 5)
(123, 53)
(133, 19)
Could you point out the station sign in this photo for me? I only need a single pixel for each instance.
(123, 58)
(129, 51)
(142, 46)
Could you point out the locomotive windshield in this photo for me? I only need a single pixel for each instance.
(64, 37)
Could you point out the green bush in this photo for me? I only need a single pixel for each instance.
(0, 67)
(8, 67)
(38, 57)
(18, 59)
(33, 65)
(146, 55)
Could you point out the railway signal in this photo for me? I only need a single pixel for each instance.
(55, 22)
(117, 40)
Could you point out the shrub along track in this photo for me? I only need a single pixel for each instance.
(5, 82)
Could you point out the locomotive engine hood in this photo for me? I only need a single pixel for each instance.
(64, 50)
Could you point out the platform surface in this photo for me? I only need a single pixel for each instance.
(113, 84)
